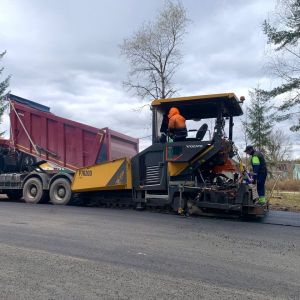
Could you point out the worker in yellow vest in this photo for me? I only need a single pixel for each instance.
(260, 172)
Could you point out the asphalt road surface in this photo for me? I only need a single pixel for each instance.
(53, 252)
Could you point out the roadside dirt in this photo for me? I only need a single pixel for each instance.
(286, 201)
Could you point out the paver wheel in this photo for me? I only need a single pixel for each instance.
(33, 191)
(60, 191)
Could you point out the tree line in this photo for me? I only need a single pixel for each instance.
(259, 128)
(283, 34)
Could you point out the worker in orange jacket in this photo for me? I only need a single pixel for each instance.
(176, 126)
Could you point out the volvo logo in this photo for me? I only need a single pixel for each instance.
(194, 146)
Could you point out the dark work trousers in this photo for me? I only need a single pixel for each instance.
(260, 182)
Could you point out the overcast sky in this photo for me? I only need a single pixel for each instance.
(65, 54)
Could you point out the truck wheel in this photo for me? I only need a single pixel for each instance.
(33, 191)
(60, 191)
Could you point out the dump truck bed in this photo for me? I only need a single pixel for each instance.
(69, 144)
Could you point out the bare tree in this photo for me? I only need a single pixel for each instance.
(245, 126)
(153, 53)
(279, 147)
(3, 92)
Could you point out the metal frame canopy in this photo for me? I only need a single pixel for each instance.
(202, 106)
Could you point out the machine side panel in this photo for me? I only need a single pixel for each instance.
(112, 175)
(149, 169)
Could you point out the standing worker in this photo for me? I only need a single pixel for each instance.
(176, 126)
(260, 171)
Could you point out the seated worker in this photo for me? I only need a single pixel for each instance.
(176, 126)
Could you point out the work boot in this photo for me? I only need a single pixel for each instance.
(261, 201)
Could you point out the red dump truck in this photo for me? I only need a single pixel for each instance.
(39, 159)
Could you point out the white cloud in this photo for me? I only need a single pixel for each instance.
(65, 54)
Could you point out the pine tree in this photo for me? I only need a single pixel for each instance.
(3, 86)
(259, 121)
(283, 33)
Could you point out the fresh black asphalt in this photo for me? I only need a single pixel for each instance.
(56, 252)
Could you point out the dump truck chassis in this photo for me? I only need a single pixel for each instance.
(37, 187)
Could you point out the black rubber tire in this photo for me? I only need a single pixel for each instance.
(60, 192)
(33, 191)
(14, 194)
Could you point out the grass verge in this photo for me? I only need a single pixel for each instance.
(284, 200)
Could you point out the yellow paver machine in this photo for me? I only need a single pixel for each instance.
(197, 173)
